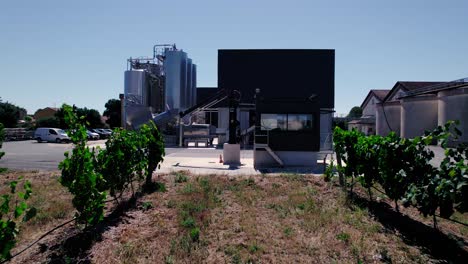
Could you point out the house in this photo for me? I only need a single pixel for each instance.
(431, 106)
(45, 112)
(388, 111)
(366, 124)
(411, 108)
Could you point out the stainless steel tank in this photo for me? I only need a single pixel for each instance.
(194, 84)
(175, 68)
(135, 89)
(188, 88)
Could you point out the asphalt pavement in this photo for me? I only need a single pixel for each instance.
(31, 155)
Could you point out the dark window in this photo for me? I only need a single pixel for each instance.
(51, 131)
(289, 122)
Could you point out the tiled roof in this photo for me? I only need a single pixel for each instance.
(409, 86)
(380, 93)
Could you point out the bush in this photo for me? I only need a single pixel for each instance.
(11, 215)
(402, 167)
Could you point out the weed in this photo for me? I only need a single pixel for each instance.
(185, 243)
(173, 246)
(160, 187)
(188, 189)
(146, 206)
(191, 207)
(195, 234)
(329, 171)
(236, 258)
(180, 177)
(275, 185)
(249, 182)
(293, 177)
(343, 237)
(205, 185)
(254, 247)
(169, 260)
(171, 204)
(288, 231)
(230, 250)
(188, 222)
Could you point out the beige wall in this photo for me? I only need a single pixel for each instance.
(391, 113)
(370, 108)
(418, 114)
(453, 105)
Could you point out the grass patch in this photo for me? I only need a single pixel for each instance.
(180, 177)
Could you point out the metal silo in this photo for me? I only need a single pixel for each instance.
(188, 87)
(135, 87)
(194, 84)
(175, 68)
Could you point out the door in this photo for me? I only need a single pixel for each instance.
(52, 135)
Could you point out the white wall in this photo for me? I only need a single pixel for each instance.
(370, 108)
(453, 105)
(388, 113)
(417, 115)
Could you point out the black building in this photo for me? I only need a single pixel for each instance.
(293, 93)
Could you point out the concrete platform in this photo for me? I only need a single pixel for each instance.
(206, 161)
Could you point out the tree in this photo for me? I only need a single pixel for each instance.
(355, 112)
(92, 117)
(2, 137)
(9, 114)
(48, 122)
(113, 113)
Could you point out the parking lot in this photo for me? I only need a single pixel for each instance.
(31, 155)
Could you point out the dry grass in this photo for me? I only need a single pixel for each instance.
(52, 201)
(220, 219)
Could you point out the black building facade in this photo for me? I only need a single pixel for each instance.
(290, 90)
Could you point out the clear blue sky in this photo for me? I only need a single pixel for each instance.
(75, 51)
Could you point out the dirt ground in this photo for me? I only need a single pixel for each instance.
(288, 218)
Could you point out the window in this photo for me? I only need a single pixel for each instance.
(289, 122)
(299, 122)
(52, 132)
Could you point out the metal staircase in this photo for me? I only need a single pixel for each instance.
(264, 138)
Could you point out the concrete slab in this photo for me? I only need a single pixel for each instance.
(206, 161)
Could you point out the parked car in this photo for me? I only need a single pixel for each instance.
(51, 135)
(92, 135)
(101, 132)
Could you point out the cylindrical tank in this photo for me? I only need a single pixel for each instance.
(194, 84)
(135, 87)
(453, 105)
(188, 88)
(175, 68)
(388, 118)
(418, 114)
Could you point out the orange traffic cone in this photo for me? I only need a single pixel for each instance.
(221, 158)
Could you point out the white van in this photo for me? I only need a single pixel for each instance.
(51, 135)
